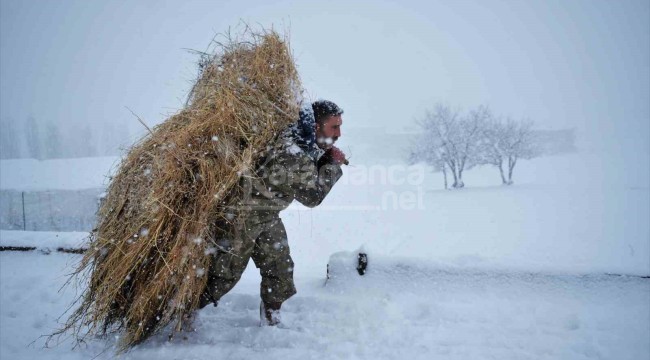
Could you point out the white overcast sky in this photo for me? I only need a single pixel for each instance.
(563, 63)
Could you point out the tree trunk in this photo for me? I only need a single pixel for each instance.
(461, 184)
(512, 161)
(444, 172)
(452, 167)
(503, 177)
(461, 168)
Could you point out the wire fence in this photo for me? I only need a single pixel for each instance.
(54, 210)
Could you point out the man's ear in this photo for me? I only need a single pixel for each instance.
(317, 126)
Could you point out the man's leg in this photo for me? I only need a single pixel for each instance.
(228, 265)
(272, 256)
(225, 271)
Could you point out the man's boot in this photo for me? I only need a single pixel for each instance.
(269, 313)
(206, 299)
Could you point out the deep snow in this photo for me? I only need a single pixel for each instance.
(396, 311)
(44, 240)
(485, 272)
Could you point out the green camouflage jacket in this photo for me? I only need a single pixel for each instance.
(289, 172)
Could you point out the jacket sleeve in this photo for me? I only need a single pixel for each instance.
(305, 180)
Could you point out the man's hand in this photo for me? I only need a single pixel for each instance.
(335, 156)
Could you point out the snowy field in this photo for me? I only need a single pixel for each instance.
(397, 310)
(550, 268)
(556, 266)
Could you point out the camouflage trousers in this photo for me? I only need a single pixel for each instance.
(265, 240)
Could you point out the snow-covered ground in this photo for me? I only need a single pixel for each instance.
(396, 311)
(566, 214)
(486, 272)
(578, 213)
(44, 240)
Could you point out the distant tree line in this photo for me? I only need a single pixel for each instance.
(48, 140)
(452, 141)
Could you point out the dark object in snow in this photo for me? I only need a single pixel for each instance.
(71, 250)
(44, 250)
(17, 248)
(363, 263)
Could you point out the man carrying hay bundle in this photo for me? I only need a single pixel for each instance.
(303, 165)
(198, 196)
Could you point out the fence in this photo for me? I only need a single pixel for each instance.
(55, 210)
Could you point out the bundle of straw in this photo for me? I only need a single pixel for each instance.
(177, 190)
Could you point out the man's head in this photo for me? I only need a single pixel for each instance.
(328, 123)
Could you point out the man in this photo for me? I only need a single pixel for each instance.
(303, 165)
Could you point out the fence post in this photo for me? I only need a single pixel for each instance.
(24, 219)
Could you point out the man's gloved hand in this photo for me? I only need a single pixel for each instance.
(335, 156)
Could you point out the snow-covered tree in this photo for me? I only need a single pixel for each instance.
(450, 140)
(470, 137)
(520, 144)
(424, 150)
(493, 146)
(505, 142)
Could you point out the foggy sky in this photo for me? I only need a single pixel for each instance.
(583, 64)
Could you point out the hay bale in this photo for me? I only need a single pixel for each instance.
(177, 190)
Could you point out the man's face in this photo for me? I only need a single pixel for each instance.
(328, 131)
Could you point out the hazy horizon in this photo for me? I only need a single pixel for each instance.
(562, 64)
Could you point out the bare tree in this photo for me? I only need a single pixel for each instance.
(426, 150)
(434, 146)
(450, 140)
(493, 146)
(469, 141)
(520, 144)
(505, 142)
